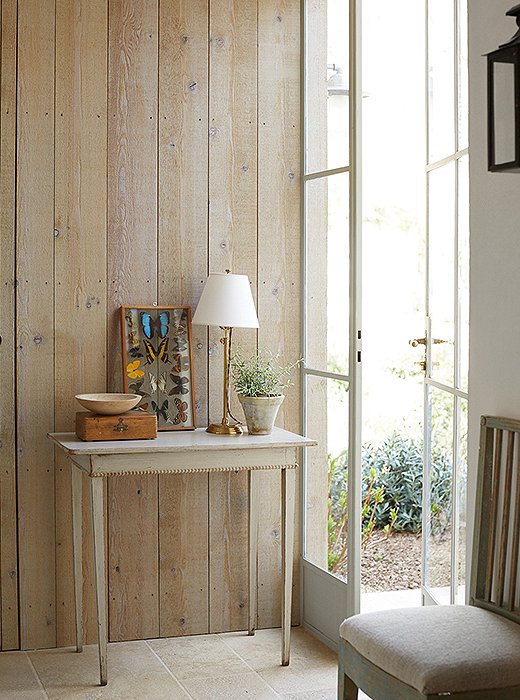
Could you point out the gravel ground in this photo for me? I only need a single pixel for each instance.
(394, 563)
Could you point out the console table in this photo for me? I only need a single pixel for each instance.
(177, 452)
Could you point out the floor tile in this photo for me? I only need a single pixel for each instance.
(198, 657)
(245, 685)
(17, 678)
(264, 649)
(133, 672)
(328, 694)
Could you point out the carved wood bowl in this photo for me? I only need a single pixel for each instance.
(108, 404)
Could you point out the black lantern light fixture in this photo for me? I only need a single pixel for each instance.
(503, 67)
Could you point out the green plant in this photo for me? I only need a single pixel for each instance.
(338, 514)
(392, 481)
(261, 375)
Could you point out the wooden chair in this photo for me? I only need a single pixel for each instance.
(471, 652)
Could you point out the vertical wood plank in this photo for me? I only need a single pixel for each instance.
(35, 307)
(183, 265)
(132, 279)
(316, 505)
(232, 245)
(183, 531)
(228, 546)
(80, 252)
(279, 274)
(8, 538)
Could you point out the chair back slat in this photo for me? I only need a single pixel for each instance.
(506, 509)
(495, 570)
(513, 575)
(497, 441)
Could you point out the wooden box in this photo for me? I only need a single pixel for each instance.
(133, 425)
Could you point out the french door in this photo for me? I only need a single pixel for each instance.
(331, 307)
(332, 330)
(447, 306)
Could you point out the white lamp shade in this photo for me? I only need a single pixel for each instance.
(226, 301)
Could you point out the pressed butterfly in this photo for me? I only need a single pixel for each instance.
(180, 344)
(179, 382)
(180, 363)
(133, 371)
(152, 354)
(182, 415)
(162, 410)
(155, 325)
(158, 383)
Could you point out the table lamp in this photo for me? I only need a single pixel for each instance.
(226, 301)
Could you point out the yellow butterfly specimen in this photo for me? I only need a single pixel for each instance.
(133, 371)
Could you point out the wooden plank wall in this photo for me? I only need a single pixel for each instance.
(142, 145)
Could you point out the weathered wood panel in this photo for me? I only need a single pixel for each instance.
(278, 275)
(232, 245)
(8, 537)
(80, 255)
(35, 322)
(132, 279)
(183, 265)
(148, 170)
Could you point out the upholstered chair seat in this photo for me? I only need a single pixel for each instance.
(439, 650)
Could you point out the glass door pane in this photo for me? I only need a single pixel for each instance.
(326, 85)
(441, 78)
(441, 251)
(326, 483)
(438, 497)
(327, 225)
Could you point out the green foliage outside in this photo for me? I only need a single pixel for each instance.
(392, 474)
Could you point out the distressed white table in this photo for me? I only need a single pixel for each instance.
(174, 453)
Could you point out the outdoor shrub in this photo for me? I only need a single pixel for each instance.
(392, 471)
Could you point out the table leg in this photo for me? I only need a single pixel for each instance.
(77, 537)
(98, 526)
(253, 550)
(288, 498)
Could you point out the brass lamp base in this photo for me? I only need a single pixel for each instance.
(223, 429)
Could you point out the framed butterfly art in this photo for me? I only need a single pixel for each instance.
(157, 362)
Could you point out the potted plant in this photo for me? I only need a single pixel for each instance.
(259, 382)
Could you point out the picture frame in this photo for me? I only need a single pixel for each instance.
(157, 355)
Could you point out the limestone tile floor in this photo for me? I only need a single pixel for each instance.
(228, 666)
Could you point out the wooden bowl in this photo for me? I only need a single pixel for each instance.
(108, 404)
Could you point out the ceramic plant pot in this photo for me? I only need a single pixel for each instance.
(260, 412)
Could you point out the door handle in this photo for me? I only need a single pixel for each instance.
(415, 342)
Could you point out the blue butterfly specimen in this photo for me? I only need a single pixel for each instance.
(162, 410)
(179, 382)
(155, 325)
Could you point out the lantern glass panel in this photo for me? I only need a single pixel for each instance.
(504, 111)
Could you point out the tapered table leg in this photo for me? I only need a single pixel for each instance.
(288, 498)
(98, 526)
(253, 551)
(77, 538)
